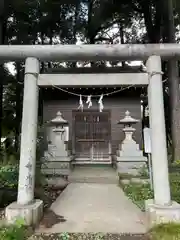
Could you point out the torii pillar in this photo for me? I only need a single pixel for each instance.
(160, 209)
(27, 207)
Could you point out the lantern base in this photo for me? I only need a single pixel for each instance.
(130, 164)
(61, 166)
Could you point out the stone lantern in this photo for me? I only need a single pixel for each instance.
(57, 156)
(56, 129)
(128, 130)
(129, 156)
(59, 128)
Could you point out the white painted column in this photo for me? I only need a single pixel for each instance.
(28, 133)
(158, 133)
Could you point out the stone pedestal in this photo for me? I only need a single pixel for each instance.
(129, 157)
(31, 213)
(57, 157)
(158, 214)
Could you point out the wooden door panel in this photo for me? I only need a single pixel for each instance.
(82, 128)
(92, 134)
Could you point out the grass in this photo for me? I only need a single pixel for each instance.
(170, 231)
(138, 193)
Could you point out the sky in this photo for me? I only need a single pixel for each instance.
(11, 67)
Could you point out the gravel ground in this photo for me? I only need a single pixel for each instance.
(48, 195)
(50, 218)
(90, 236)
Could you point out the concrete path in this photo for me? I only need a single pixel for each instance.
(90, 207)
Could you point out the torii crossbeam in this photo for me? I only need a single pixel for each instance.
(88, 52)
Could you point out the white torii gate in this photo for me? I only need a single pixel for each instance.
(161, 208)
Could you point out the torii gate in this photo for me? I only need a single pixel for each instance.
(161, 208)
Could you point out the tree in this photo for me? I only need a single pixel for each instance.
(173, 79)
(2, 37)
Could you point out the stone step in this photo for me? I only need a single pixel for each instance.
(93, 174)
(92, 163)
(103, 180)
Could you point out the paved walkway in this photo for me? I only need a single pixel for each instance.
(90, 207)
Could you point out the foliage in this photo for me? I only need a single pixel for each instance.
(174, 184)
(64, 236)
(67, 236)
(143, 172)
(9, 170)
(176, 163)
(15, 231)
(8, 184)
(170, 231)
(9, 176)
(138, 193)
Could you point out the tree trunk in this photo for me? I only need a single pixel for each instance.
(74, 40)
(2, 37)
(174, 107)
(1, 104)
(173, 77)
(42, 70)
(18, 106)
(153, 26)
(121, 34)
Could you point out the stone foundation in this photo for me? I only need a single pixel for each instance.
(31, 213)
(130, 165)
(62, 168)
(157, 214)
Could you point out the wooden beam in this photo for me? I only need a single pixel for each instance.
(95, 80)
(89, 52)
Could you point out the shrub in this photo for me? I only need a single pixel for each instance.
(15, 231)
(8, 184)
(9, 176)
(174, 184)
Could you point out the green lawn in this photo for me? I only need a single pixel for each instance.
(138, 193)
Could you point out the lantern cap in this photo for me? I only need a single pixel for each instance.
(128, 119)
(59, 120)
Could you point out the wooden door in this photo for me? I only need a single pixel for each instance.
(92, 135)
